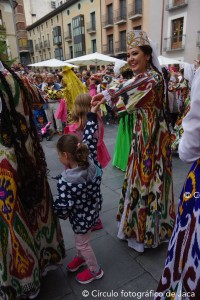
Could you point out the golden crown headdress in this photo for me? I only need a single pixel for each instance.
(137, 38)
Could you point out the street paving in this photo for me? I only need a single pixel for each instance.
(127, 274)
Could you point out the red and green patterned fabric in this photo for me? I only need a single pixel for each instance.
(146, 207)
(31, 241)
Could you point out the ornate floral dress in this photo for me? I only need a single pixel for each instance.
(181, 275)
(30, 237)
(146, 207)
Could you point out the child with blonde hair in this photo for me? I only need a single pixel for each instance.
(81, 107)
(79, 196)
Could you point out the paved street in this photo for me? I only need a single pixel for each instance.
(127, 273)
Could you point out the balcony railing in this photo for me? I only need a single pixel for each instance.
(79, 53)
(68, 36)
(198, 38)
(108, 50)
(134, 12)
(120, 48)
(120, 17)
(91, 27)
(46, 44)
(174, 4)
(174, 43)
(57, 40)
(23, 48)
(107, 22)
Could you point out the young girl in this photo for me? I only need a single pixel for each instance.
(79, 196)
(82, 105)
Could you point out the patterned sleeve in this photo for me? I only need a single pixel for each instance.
(134, 90)
(88, 135)
(64, 202)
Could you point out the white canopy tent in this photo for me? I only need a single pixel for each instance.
(53, 63)
(92, 59)
(163, 61)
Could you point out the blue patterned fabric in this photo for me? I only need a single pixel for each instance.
(81, 202)
(182, 266)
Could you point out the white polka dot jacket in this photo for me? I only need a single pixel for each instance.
(78, 190)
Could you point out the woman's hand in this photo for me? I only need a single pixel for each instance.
(96, 99)
(94, 108)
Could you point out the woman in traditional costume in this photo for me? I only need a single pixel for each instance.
(125, 128)
(181, 275)
(146, 208)
(31, 242)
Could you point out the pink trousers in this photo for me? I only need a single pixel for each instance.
(85, 250)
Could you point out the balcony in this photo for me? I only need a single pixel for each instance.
(134, 12)
(47, 44)
(120, 48)
(174, 4)
(57, 40)
(23, 49)
(174, 43)
(107, 22)
(198, 39)
(91, 28)
(108, 50)
(68, 36)
(120, 17)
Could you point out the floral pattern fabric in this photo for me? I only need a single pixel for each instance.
(181, 275)
(146, 207)
(30, 238)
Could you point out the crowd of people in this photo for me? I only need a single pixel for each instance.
(157, 113)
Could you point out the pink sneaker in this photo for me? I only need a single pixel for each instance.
(97, 226)
(75, 264)
(87, 276)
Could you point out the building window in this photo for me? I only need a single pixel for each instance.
(46, 24)
(42, 26)
(93, 20)
(51, 21)
(94, 46)
(49, 55)
(110, 13)
(110, 43)
(177, 33)
(137, 28)
(33, 31)
(79, 35)
(123, 9)
(123, 40)
(59, 53)
(79, 6)
(70, 52)
(68, 12)
(57, 19)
